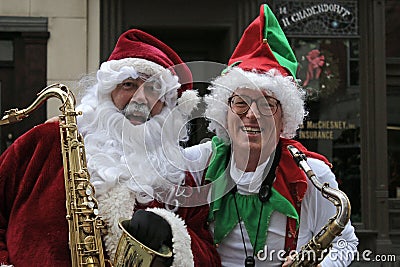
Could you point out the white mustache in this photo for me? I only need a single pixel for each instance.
(134, 108)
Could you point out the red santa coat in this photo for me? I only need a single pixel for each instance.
(33, 227)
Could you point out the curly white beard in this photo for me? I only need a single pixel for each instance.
(144, 157)
(129, 163)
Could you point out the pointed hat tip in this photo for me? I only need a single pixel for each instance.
(264, 46)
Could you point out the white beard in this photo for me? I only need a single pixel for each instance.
(142, 157)
(129, 163)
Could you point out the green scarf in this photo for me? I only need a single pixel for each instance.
(223, 210)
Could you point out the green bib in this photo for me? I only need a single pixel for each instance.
(223, 209)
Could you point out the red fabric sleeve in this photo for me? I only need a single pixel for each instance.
(203, 248)
(33, 228)
(6, 177)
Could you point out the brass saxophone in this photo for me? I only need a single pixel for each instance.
(85, 226)
(318, 247)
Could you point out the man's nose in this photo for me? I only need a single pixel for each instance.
(139, 96)
(253, 111)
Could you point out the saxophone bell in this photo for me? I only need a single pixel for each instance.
(132, 251)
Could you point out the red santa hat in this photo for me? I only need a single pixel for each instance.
(138, 53)
(262, 60)
(141, 45)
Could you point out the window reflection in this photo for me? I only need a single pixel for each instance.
(329, 72)
(393, 95)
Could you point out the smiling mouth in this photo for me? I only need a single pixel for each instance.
(251, 130)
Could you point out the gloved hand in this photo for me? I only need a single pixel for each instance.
(150, 229)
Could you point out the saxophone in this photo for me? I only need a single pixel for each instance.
(318, 247)
(85, 226)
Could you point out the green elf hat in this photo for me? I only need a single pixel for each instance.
(264, 46)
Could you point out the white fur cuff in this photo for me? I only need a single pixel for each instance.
(181, 241)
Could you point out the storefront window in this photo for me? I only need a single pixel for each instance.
(393, 95)
(394, 161)
(329, 72)
(392, 28)
(325, 38)
(6, 50)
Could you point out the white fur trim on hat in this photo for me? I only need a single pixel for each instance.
(181, 241)
(139, 64)
(113, 72)
(188, 101)
(283, 88)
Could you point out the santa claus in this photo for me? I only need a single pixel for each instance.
(134, 116)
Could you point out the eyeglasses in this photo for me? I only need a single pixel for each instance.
(266, 105)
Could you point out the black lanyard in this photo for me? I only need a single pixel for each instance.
(264, 195)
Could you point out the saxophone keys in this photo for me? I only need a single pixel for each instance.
(85, 189)
(87, 227)
(89, 191)
(89, 243)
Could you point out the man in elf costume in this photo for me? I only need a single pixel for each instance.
(263, 205)
(134, 111)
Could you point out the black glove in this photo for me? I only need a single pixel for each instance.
(150, 229)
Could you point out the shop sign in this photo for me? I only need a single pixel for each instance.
(323, 129)
(317, 17)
